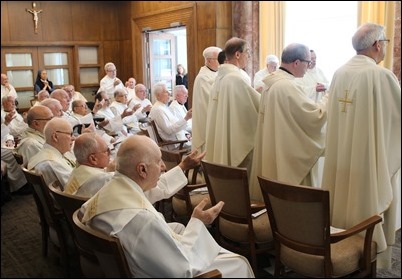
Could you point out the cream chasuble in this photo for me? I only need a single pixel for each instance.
(202, 88)
(289, 138)
(232, 118)
(363, 147)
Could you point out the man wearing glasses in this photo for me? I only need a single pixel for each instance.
(54, 161)
(289, 138)
(32, 139)
(363, 145)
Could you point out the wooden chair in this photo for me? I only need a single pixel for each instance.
(237, 230)
(304, 243)
(149, 129)
(110, 253)
(52, 218)
(184, 201)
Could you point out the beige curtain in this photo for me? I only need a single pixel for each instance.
(381, 12)
(272, 21)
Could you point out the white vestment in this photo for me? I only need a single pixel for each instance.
(169, 126)
(141, 116)
(309, 83)
(180, 111)
(152, 249)
(115, 122)
(289, 137)
(107, 84)
(258, 84)
(17, 125)
(31, 143)
(52, 165)
(231, 118)
(363, 147)
(202, 88)
(8, 92)
(130, 121)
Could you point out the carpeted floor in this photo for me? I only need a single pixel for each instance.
(21, 246)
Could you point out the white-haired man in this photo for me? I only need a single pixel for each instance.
(272, 64)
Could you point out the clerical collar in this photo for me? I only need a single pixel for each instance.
(211, 69)
(283, 69)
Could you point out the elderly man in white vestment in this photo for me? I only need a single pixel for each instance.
(271, 65)
(201, 90)
(32, 139)
(110, 82)
(152, 249)
(289, 138)
(363, 145)
(177, 107)
(140, 98)
(55, 161)
(169, 126)
(232, 111)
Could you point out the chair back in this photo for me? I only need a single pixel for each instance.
(107, 249)
(52, 215)
(150, 129)
(237, 230)
(300, 222)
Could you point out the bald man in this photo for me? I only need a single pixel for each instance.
(33, 139)
(121, 208)
(52, 161)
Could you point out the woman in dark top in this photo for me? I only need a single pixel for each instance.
(181, 76)
(42, 82)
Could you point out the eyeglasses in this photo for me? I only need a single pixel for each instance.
(307, 61)
(382, 40)
(108, 151)
(66, 133)
(44, 119)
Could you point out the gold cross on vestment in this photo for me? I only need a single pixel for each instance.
(345, 101)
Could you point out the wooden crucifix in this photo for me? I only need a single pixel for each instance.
(35, 14)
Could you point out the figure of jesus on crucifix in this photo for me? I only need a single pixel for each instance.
(35, 14)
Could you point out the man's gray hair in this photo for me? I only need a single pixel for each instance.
(293, 52)
(158, 88)
(366, 35)
(84, 148)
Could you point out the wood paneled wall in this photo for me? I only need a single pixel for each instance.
(117, 28)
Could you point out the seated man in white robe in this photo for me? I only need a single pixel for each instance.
(121, 209)
(110, 82)
(271, 65)
(177, 107)
(119, 105)
(32, 140)
(140, 98)
(55, 160)
(17, 125)
(169, 126)
(74, 95)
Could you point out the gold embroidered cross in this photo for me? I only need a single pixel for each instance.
(345, 101)
(35, 14)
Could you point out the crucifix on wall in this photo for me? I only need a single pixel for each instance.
(35, 14)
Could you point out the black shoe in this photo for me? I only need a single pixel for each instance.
(24, 190)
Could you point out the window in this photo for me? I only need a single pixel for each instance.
(326, 27)
(89, 68)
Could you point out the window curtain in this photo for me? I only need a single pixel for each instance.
(380, 12)
(272, 21)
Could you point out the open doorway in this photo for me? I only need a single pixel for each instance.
(163, 50)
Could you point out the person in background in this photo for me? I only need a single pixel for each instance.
(74, 95)
(271, 65)
(139, 166)
(180, 96)
(140, 98)
(181, 78)
(363, 144)
(314, 82)
(130, 87)
(110, 82)
(202, 88)
(42, 82)
(42, 95)
(6, 88)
